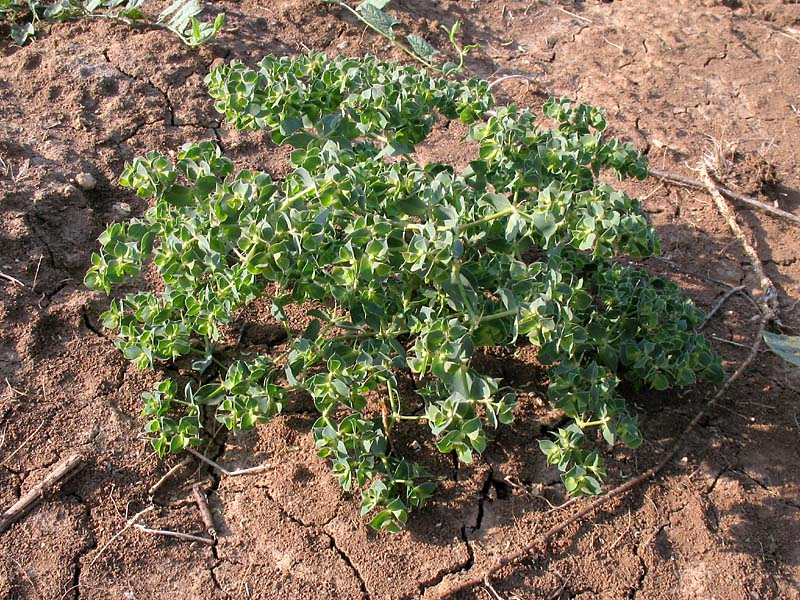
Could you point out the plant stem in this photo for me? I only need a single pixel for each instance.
(391, 38)
(488, 218)
(456, 277)
(495, 316)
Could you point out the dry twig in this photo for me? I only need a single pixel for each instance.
(175, 534)
(25, 575)
(572, 14)
(719, 305)
(11, 279)
(701, 185)
(158, 484)
(225, 471)
(21, 446)
(205, 512)
(499, 80)
(21, 507)
(769, 298)
(116, 536)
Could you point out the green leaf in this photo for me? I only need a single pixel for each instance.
(22, 33)
(397, 148)
(785, 346)
(545, 224)
(377, 18)
(499, 201)
(379, 4)
(660, 382)
(421, 47)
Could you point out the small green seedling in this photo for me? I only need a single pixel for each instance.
(179, 18)
(371, 14)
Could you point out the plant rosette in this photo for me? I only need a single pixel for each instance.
(415, 266)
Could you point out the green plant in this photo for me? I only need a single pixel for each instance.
(371, 14)
(415, 267)
(180, 17)
(785, 346)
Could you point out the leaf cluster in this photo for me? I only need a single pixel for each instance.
(371, 13)
(414, 265)
(180, 17)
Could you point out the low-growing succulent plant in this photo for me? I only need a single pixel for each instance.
(414, 265)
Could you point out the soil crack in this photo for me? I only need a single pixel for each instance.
(88, 323)
(767, 489)
(167, 100)
(458, 568)
(346, 559)
(89, 546)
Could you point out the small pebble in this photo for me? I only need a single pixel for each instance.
(120, 210)
(85, 181)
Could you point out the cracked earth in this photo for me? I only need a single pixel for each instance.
(680, 80)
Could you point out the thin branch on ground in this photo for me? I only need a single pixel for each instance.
(22, 445)
(727, 341)
(616, 542)
(175, 534)
(130, 523)
(225, 471)
(23, 506)
(499, 80)
(676, 267)
(15, 391)
(494, 593)
(562, 506)
(36, 275)
(719, 305)
(11, 279)
(158, 484)
(25, 575)
(205, 512)
(556, 593)
(572, 14)
(698, 184)
(769, 298)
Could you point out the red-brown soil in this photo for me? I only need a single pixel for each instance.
(679, 79)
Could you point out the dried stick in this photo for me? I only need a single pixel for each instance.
(176, 534)
(21, 507)
(157, 485)
(36, 275)
(116, 536)
(21, 446)
(676, 267)
(25, 575)
(701, 185)
(205, 512)
(719, 305)
(499, 80)
(225, 471)
(572, 14)
(769, 299)
(11, 279)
